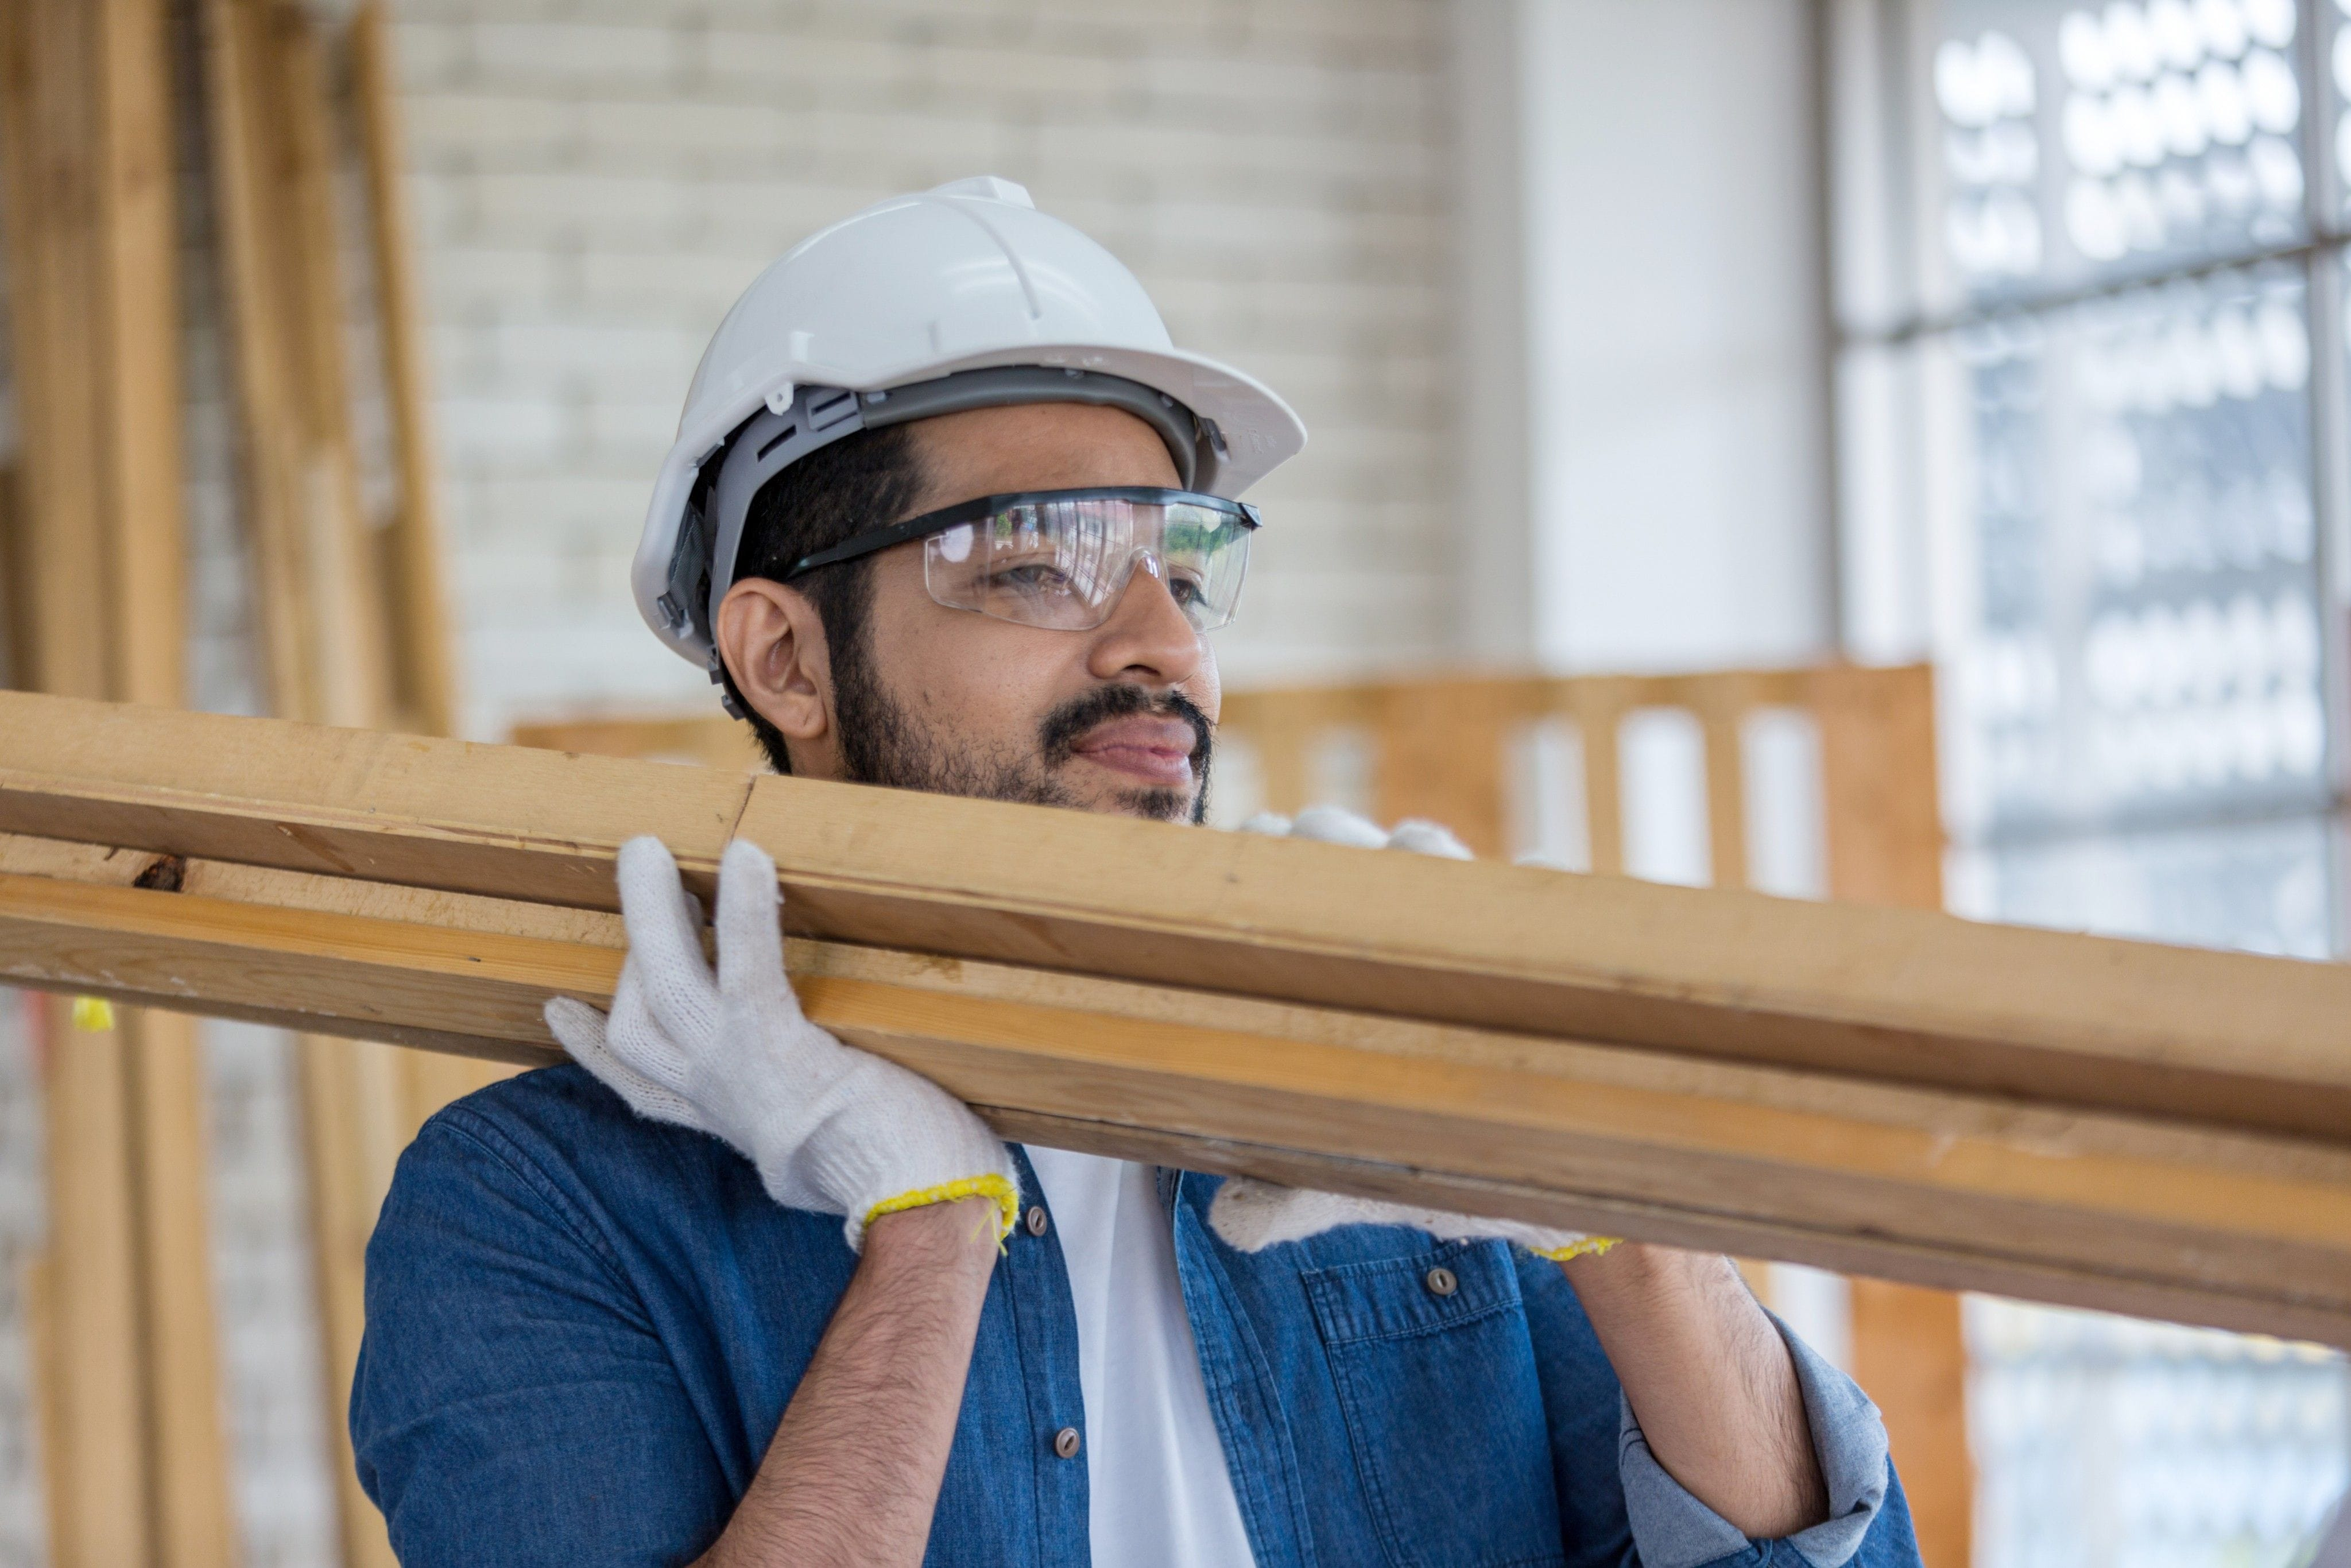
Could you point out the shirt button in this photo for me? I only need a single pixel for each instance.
(1036, 1221)
(1440, 1282)
(1066, 1442)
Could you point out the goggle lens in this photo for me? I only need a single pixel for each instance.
(1064, 563)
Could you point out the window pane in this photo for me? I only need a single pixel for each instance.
(2082, 142)
(2137, 637)
(2259, 886)
(2106, 1443)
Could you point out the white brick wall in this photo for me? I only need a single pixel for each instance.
(595, 180)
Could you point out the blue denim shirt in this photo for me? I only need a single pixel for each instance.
(583, 1328)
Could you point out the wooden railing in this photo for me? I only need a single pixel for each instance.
(1441, 748)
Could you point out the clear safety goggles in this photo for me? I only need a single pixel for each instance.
(1062, 558)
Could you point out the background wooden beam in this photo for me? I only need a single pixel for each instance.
(424, 674)
(357, 629)
(130, 1377)
(1885, 847)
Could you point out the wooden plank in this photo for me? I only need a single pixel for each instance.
(358, 624)
(1885, 842)
(424, 683)
(195, 1527)
(1288, 728)
(16, 585)
(138, 338)
(139, 1461)
(1910, 1352)
(103, 1510)
(344, 588)
(352, 1108)
(1441, 753)
(49, 147)
(1597, 709)
(722, 743)
(2085, 1207)
(1878, 774)
(41, 1352)
(147, 587)
(1721, 713)
(1904, 994)
(353, 1125)
(274, 462)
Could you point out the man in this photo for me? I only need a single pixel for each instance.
(949, 512)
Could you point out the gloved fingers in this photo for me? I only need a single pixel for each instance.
(637, 1039)
(1273, 824)
(578, 1026)
(1337, 825)
(1423, 837)
(583, 1032)
(664, 928)
(750, 939)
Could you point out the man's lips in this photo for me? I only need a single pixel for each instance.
(1156, 750)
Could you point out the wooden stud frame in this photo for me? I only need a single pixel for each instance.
(133, 1451)
(353, 621)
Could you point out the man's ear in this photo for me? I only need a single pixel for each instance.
(773, 641)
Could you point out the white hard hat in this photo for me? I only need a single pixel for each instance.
(964, 296)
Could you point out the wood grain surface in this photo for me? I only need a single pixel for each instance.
(1900, 995)
(1934, 1186)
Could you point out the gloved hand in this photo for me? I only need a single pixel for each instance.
(1252, 1214)
(831, 1128)
(1337, 825)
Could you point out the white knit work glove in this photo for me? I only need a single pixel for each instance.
(831, 1128)
(1252, 1214)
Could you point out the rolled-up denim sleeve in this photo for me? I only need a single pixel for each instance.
(513, 1404)
(1674, 1529)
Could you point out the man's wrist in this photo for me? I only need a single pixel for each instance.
(1633, 1270)
(955, 1237)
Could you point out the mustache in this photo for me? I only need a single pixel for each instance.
(1068, 724)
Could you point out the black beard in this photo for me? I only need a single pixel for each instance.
(882, 743)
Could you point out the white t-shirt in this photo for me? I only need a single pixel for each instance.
(1159, 1495)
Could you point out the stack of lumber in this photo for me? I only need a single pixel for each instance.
(168, 167)
(1894, 1093)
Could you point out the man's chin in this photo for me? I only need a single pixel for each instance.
(1152, 803)
(1155, 805)
(1115, 792)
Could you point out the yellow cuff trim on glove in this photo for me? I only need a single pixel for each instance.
(1589, 1246)
(1007, 1196)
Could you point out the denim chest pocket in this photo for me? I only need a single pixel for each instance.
(1437, 1376)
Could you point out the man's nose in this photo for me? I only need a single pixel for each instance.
(1148, 635)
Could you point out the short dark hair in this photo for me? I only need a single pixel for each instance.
(860, 481)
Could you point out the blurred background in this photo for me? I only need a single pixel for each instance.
(1636, 337)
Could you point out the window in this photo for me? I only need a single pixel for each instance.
(2092, 370)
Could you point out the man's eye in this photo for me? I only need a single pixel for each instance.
(1184, 590)
(1035, 578)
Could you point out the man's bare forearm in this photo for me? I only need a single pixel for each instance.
(1710, 1382)
(852, 1476)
